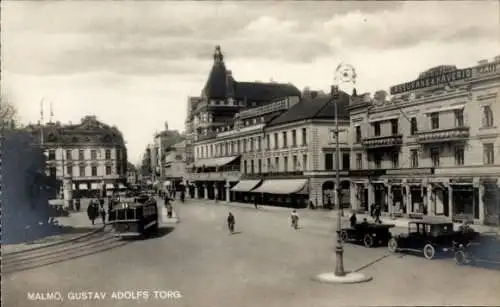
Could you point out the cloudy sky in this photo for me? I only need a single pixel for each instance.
(133, 64)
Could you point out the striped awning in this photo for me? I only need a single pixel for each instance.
(245, 185)
(109, 186)
(95, 186)
(283, 186)
(83, 186)
(215, 162)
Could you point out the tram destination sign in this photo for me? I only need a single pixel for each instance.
(432, 80)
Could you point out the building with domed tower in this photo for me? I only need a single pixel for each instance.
(264, 142)
(90, 155)
(433, 148)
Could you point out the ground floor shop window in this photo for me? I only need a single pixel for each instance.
(491, 201)
(465, 202)
(398, 199)
(417, 200)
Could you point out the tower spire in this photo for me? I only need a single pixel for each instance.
(218, 57)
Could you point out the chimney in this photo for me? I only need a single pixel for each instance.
(354, 92)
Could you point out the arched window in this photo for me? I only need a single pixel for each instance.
(487, 116)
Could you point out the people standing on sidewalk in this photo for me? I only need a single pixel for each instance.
(372, 210)
(377, 214)
(353, 220)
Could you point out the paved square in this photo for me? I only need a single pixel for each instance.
(266, 263)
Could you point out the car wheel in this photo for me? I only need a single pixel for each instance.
(429, 251)
(344, 236)
(460, 258)
(368, 241)
(392, 245)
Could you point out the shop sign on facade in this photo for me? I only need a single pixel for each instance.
(433, 80)
(488, 68)
(461, 180)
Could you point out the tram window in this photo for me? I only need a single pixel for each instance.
(121, 215)
(130, 214)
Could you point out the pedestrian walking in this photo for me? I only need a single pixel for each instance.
(372, 210)
(103, 214)
(169, 211)
(255, 202)
(353, 219)
(77, 204)
(91, 212)
(230, 223)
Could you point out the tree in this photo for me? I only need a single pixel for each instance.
(7, 112)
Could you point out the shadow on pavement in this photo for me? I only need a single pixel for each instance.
(162, 231)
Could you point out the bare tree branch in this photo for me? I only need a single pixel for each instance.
(7, 111)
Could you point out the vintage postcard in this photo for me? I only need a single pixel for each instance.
(250, 153)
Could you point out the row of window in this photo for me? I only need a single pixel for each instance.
(275, 165)
(82, 171)
(68, 154)
(435, 123)
(435, 154)
(251, 144)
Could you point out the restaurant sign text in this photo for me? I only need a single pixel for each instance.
(433, 80)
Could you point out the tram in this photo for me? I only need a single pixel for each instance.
(135, 217)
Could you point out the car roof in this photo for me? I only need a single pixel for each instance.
(431, 222)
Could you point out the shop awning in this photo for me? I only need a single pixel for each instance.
(283, 186)
(95, 186)
(215, 162)
(82, 186)
(245, 185)
(121, 186)
(109, 186)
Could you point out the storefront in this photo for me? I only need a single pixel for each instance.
(464, 198)
(284, 192)
(491, 201)
(241, 192)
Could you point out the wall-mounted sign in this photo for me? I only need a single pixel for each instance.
(461, 180)
(488, 68)
(432, 80)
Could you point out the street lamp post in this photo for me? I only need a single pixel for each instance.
(345, 73)
(339, 249)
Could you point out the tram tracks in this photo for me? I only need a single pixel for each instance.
(38, 257)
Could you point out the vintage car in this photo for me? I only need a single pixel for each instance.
(430, 237)
(484, 251)
(135, 217)
(370, 234)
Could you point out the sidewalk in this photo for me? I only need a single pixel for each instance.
(78, 219)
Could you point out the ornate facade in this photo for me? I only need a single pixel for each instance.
(90, 154)
(433, 148)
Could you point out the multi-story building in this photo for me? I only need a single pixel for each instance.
(91, 154)
(132, 175)
(162, 144)
(175, 165)
(281, 153)
(214, 113)
(430, 149)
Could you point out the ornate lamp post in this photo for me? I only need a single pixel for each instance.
(343, 73)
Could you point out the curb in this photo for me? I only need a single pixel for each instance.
(56, 243)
